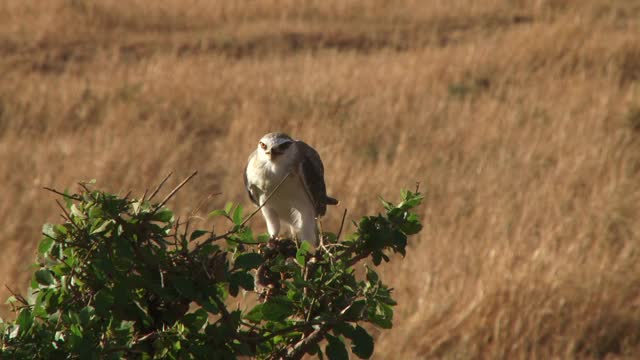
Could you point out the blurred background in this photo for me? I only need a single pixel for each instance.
(520, 119)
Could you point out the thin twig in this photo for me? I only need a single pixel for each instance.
(344, 216)
(193, 213)
(266, 200)
(175, 190)
(223, 309)
(235, 228)
(357, 258)
(303, 345)
(186, 228)
(68, 216)
(158, 187)
(17, 296)
(85, 187)
(260, 339)
(62, 194)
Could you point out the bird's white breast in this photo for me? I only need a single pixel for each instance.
(291, 200)
(264, 176)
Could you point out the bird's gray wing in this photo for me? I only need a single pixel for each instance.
(311, 171)
(246, 181)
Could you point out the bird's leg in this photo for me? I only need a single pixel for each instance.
(320, 236)
(307, 231)
(272, 220)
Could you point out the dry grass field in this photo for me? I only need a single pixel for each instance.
(520, 119)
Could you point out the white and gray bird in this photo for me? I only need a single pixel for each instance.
(301, 198)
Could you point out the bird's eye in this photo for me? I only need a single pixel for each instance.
(263, 145)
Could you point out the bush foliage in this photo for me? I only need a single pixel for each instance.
(121, 278)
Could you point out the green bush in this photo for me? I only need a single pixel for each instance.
(120, 278)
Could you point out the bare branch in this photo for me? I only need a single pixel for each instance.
(300, 348)
(158, 187)
(175, 190)
(344, 216)
(202, 202)
(17, 296)
(68, 216)
(62, 194)
(357, 258)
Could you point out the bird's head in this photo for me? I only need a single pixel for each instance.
(275, 146)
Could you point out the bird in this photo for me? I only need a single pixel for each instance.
(285, 178)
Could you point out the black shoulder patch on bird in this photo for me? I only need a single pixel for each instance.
(312, 175)
(247, 187)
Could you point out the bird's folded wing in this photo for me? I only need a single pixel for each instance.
(311, 171)
(246, 182)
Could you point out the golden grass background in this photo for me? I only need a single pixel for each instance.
(520, 119)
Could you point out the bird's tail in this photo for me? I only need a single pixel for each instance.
(332, 201)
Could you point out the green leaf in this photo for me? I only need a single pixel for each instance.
(10, 300)
(49, 230)
(218, 212)
(209, 305)
(246, 235)
(76, 212)
(381, 322)
(409, 199)
(315, 350)
(103, 226)
(164, 215)
(45, 245)
(76, 330)
(228, 207)
(185, 287)
(355, 312)
(25, 320)
(376, 257)
(329, 237)
(344, 328)
(61, 228)
(237, 215)
(387, 205)
(411, 225)
(103, 302)
(243, 279)
(85, 314)
(335, 349)
(44, 277)
(96, 212)
(372, 276)
(263, 238)
(255, 315)
(248, 261)
(362, 343)
(275, 309)
(197, 233)
(301, 254)
(196, 320)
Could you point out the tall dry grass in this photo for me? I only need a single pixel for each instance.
(519, 119)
